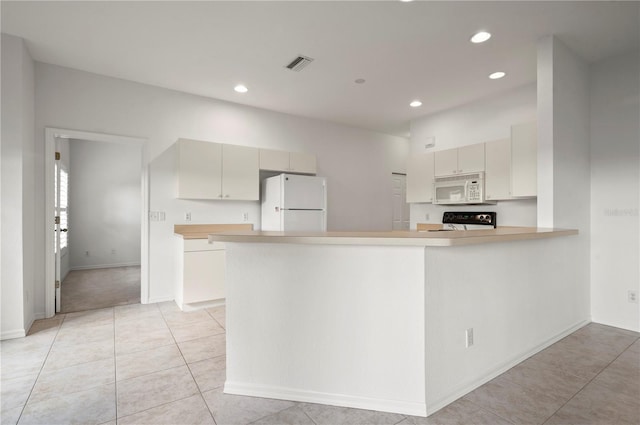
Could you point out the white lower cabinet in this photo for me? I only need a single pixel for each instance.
(203, 272)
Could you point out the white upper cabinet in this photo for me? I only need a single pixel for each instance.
(217, 171)
(199, 169)
(446, 162)
(302, 163)
(466, 159)
(240, 173)
(498, 169)
(273, 160)
(420, 172)
(471, 158)
(287, 162)
(524, 160)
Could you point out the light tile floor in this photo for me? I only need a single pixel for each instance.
(153, 364)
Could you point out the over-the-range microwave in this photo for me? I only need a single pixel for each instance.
(460, 189)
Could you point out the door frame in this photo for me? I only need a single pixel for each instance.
(405, 206)
(51, 134)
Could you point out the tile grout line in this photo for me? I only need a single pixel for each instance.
(484, 409)
(589, 382)
(399, 422)
(216, 320)
(563, 371)
(41, 368)
(189, 369)
(163, 370)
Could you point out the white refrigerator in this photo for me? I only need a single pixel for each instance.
(295, 203)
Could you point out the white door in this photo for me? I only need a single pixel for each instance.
(303, 221)
(303, 192)
(61, 182)
(399, 199)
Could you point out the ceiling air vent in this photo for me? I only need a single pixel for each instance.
(299, 63)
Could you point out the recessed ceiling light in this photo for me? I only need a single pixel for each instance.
(497, 75)
(406, 1)
(415, 104)
(241, 89)
(480, 37)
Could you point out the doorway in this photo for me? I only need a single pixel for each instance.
(99, 256)
(399, 201)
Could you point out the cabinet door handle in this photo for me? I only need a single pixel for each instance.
(454, 172)
(226, 196)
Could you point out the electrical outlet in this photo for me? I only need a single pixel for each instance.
(245, 217)
(187, 216)
(113, 252)
(153, 216)
(632, 296)
(468, 334)
(426, 216)
(86, 253)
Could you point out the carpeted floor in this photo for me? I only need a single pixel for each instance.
(99, 288)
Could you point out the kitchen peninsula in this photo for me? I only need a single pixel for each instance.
(402, 322)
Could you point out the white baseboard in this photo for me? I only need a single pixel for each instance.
(293, 394)
(202, 304)
(38, 316)
(104, 266)
(159, 300)
(491, 374)
(16, 333)
(28, 325)
(394, 406)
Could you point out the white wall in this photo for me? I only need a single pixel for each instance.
(104, 198)
(477, 122)
(615, 187)
(17, 189)
(357, 163)
(563, 154)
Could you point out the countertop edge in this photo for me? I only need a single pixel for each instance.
(202, 231)
(360, 238)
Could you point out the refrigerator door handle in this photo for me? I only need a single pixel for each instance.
(277, 209)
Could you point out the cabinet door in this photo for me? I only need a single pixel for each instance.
(273, 160)
(471, 158)
(199, 169)
(498, 169)
(446, 162)
(302, 163)
(204, 273)
(420, 174)
(240, 173)
(524, 160)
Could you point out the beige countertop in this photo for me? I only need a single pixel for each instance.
(397, 238)
(202, 231)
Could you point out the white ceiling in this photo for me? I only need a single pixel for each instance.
(404, 51)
